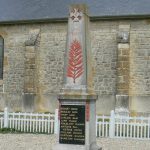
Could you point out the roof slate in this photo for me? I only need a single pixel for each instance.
(27, 10)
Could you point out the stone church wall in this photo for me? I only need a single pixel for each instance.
(34, 61)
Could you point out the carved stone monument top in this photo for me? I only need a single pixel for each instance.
(78, 72)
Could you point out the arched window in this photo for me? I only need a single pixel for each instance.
(1, 56)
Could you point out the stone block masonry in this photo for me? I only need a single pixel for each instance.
(123, 59)
(123, 69)
(104, 49)
(49, 64)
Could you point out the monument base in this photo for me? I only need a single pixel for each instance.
(77, 121)
(75, 147)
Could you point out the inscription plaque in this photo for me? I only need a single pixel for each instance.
(72, 124)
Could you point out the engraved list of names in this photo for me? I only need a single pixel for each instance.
(72, 124)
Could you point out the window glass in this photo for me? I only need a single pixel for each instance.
(1, 56)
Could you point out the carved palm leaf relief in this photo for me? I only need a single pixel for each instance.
(75, 63)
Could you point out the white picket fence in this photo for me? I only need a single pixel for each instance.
(112, 126)
(29, 122)
(115, 126)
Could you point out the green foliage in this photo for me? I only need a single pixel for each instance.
(47, 112)
(7, 130)
(13, 130)
(101, 120)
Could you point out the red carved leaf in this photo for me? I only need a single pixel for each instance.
(75, 63)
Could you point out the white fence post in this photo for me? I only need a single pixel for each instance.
(6, 117)
(112, 124)
(56, 122)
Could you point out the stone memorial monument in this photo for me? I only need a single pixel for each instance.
(77, 100)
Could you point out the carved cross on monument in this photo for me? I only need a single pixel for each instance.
(77, 100)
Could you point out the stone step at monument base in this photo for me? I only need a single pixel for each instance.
(69, 147)
(75, 147)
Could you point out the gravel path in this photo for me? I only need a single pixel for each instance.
(44, 142)
(26, 141)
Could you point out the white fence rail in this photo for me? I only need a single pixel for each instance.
(123, 126)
